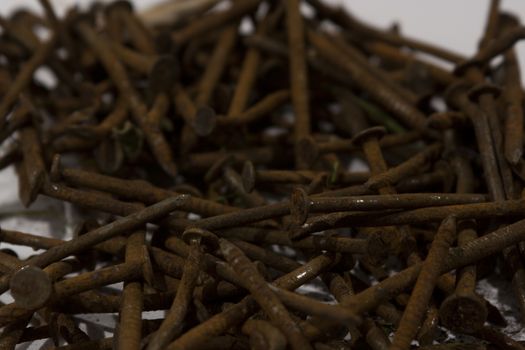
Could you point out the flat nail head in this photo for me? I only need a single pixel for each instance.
(463, 313)
(205, 121)
(31, 287)
(248, 176)
(376, 132)
(481, 89)
(299, 206)
(307, 150)
(205, 237)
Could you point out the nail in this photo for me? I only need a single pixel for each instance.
(492, 49)
(140, 36)
(430, 327)
(301, 204)
(133, 59)
(211, 264)
(163, 75)
(264, 295)
(33, 163)
(422, 292)
(415, 216)
(512, 94)
(130, 315)
(458, 257)
(347, 20)
(13, 333)
(171, 327)
(486, 94)
(216, 65)
(58, 27)
(251, 176)
(491, 26)
(24, 77)
(68, 330)
(240, 311)
(202, 120)
(464, 311)
(250, 67)
(74, 285)
(409, 167)
(312, 307)
(260, 109)
(19, 118)
(115, 69)
(497, 338)
(396, 55)
(375, 336)
(298, 78)
(399, 107)
(211, 23)
(329, 243)
(99, 235)
(447, 120)
(267, 257)
(353, 54)
(31, 287)
(139, 190)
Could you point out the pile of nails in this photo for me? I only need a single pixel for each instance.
(214, 149)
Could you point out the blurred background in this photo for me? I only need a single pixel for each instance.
(454, 24)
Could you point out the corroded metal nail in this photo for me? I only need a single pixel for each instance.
(240, 311)
(414, 311)
(130, 326)
(171, 327)
(24, 77)
(105, 232)
(464, 310)
(31, 287)
(407, 113)
(264, 295)
(116, 70)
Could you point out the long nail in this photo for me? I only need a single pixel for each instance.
(264, 295)
(464, 304)
(130, 316)
(430, 271)
(171, 327)
(347, 20)
(24, 77)
(512, 94)
(89, 239)
(212, 22)
(33, 162)
(240, 311)
(115, 69)
(140, 36)
(403, 110)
